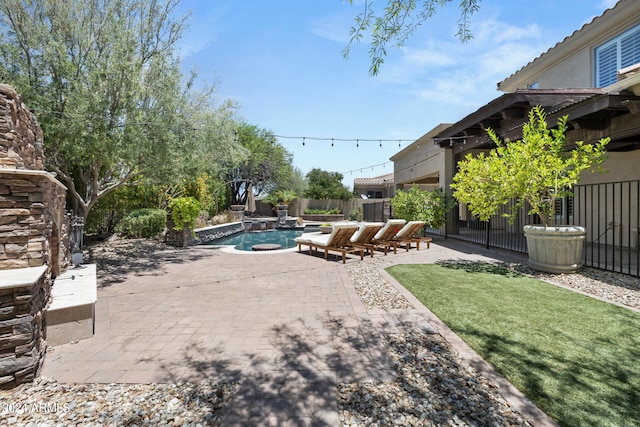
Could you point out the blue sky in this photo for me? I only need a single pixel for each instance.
(281, 61)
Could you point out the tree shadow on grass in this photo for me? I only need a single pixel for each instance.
(588, 402)
(479, 267)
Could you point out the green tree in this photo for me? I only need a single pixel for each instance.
(398, 21)
(107, 89)
(420, 205)
(264, 162)
(536, 170)
(326, 185)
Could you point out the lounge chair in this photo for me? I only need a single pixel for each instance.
(384, 237)
(364, 236)
(407, 235)
(338, 241)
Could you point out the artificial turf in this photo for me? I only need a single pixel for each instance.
(575, 357)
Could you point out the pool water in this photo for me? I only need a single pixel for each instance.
(244, 241)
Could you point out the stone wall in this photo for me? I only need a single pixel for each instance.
(34, 240)
(22, 346)
(21, 141)
(209, 234)
(31, 216)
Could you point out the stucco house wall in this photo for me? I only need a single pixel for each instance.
(570, 63)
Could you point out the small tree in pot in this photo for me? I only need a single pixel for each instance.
(537, 171)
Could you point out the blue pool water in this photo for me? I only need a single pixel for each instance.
(244, 241)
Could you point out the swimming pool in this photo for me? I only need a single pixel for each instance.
(244, 241)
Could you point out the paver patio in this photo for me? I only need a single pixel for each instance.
(287, 326)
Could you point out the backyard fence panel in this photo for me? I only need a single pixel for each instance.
(376, 210)
(609, 212)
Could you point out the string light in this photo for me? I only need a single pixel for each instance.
(356, 140)
(365, 167)
(130, 123)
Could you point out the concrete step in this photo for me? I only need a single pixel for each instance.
(71, 315)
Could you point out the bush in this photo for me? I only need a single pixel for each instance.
(184, 210)
(356, 215)
(420, 205)
(142, 223)
(315, 211)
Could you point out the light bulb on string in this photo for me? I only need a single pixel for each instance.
(380, 143)
(332, 142)
(357, 143)
(399, 143)
(303, 138)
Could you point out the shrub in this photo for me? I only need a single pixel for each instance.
(420, 205)
(184, 210)
(222, 218)
(315, 211)
(356, 215)
(142, 223)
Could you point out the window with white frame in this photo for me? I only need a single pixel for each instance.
(620, 52)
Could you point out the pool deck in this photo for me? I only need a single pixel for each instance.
(287, 326)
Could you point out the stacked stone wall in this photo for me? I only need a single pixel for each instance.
(31, 205)
(22, 342)
(21, 140)
(34, 240)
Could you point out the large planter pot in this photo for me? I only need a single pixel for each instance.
(555, 249)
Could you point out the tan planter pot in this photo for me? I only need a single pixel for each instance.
(555, 249)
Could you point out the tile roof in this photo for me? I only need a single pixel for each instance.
(382, 179)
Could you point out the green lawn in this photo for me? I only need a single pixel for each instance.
(576, 357)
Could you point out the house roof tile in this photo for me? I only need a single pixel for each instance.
(382, 179)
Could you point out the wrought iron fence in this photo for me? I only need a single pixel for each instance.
(376, 210)
(609, 212)
(611, 215)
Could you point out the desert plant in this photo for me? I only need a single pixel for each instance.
(281, 197)
(184, 211)
(535, 170)
(142, 223)
(222, 218)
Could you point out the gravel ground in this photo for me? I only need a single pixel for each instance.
(434, 386)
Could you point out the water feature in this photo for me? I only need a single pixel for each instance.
(244, 241)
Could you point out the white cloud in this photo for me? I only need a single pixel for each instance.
(426, 57)
(333, 28)
(202, 30)
(465, 75)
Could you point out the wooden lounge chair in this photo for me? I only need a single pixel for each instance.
(407, 235)
(384, 237)
(364, 236)
(338, 241)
